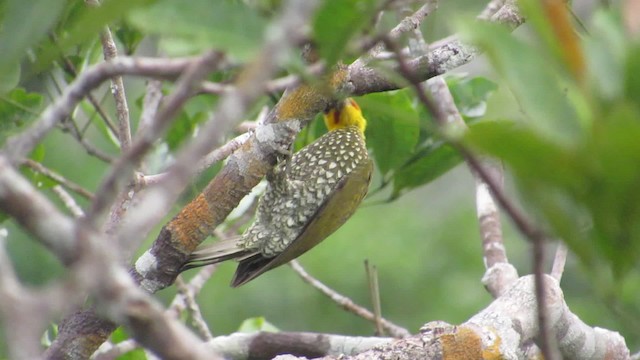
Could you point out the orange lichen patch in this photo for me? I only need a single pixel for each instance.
(192, 225)
(492, 352)
(306, 100)
(462, 344)
(339, 77)
(302, 102)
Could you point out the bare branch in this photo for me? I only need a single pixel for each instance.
(121, 169)
(117, 89)
(20, 145)
(68, 201)
(559, 260)
(213, 157)
(491, 9)
(157, 268)
(500, 274)
(230, 110)
(501, 331)
(96, 269)
(116, 350)
(194, 309)
(91, 150)
(150, 105)
(346, 303)
(69, 67)
(267, 345)
(20, 308)
(110, 51)
(36, 166)
(532, 232)
(374, 290)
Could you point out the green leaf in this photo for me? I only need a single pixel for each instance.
(521, 147)
(613, 155)
(471, 94)
(606, 50)
(182, 129)
(23, 25)
(392, 128)
(632, 75)
(541, 93)
(84, 25)
(587, 193)
(49, 334)
(120, 335)
(129, 37)
(193, 26)
(336, 22)
(427, 166)
(17, 109)
(256, 324)
(9, 78)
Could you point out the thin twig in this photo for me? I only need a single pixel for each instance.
(409, 23)
(177, 306)
(346, 303)
(492, 7)
(150, 105)
(38, 167)
(374, 290)
(276, 85)
(18, 146)
(71, 127)
(70, 69)
(116, 350)
(110, 52)
(68, 201)
(559, 261)
(194, 309)
(213, 157)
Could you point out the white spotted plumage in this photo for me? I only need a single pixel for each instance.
(311, 176)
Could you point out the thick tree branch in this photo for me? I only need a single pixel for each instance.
(95, 269)
(500, 273)
(158, 267)
(500, 331)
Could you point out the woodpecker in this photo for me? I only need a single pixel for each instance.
(308, 197)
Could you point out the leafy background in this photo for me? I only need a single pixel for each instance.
(569, 141)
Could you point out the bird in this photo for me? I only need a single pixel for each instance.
(309, 195)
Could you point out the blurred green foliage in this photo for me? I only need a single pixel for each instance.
(570, 145)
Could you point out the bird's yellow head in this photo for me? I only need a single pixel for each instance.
(347, 113)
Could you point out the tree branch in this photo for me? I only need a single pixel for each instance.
(500, 273)
(18, 146)
(95, 268)
(346, 303)
(500, 331)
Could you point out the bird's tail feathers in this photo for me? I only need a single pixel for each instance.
(215, 253)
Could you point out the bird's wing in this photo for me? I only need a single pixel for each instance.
(329, 216)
